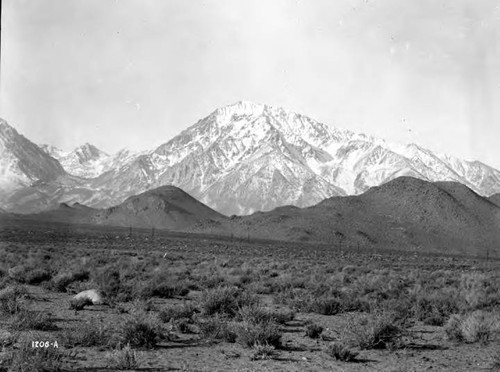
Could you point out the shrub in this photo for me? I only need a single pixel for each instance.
(154, 288)
(140, 306)
(109, 283)
(7, 339)
(250, 334)
(88, 334)
(340, 352)
(4, 282)
(33, 320)
(262, 352)
(301, 300)
(376, 331)
(217, 328)
(435, 307)
(37, 276)
(212, 281)
(313, 330)
(453, 328)
(139, 332)
(282, 316)
(400, 308)
(176, 312)
(475, 327)
(12, 299)
(225, 300)
(184, 325)
(61, 281)
(29, 359)
(254, 313)
(244, 280)
(495, 366)
(29, 274)
(473, 288)
(326, 306)
(123, 358)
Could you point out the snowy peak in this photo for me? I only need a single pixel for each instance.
(85, 161)
(53, 151)
(88, 152)
(22, 162)
(249, 125)
(289, 123)
(240, 108)
(247, 157)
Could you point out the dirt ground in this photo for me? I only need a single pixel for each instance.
(428, 349)
(425, 347)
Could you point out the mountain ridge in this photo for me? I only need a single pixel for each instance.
(246, 157)
(403, 214)
(166, 207)
(495, 199)
(23, 163)
(86, 161)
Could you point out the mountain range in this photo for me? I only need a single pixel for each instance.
(166, 207)
(403, 214)
(86, 161)
(240, 159)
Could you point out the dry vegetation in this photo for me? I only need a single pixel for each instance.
(189, 303)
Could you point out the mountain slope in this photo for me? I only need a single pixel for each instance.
(167, 207)
(23, 163)
(247, 157)
(495, 199)
(405, 213)
(218, 160)
(85, 161)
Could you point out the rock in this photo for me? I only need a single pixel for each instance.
(92, 294)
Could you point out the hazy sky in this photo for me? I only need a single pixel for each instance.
(134, 73)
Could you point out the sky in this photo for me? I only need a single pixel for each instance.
(134, 73)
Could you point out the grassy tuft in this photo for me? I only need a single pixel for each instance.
(341, 352)
(123, 358)
(250, 334)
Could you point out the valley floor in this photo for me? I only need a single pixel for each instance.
(177, 302)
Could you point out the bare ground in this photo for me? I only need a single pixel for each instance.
(424, 347)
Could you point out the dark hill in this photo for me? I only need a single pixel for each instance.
(65, 213)
(166, 207)
(495, 199)
(405, 213)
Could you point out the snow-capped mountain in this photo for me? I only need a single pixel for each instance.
(53, 151)
(247, 157)
(85, 161)
(22, 163)
(240, 159)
